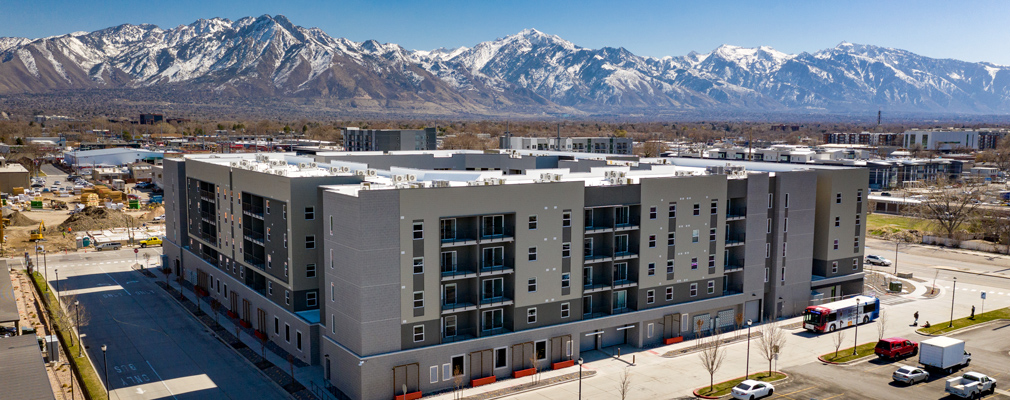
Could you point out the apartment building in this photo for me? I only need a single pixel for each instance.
(401, 271)
(600, 144)
(389, 139)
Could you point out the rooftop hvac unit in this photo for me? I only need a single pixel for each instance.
(262, 157)
(411, 177)
(472, 183)
(366, 185)
(399, 178)
(372, 172)
(556, 177)
(234, 164)
(313, 165)
(440, 184)
(303, 165)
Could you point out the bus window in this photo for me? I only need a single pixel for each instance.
(869, 308)
(832, 317)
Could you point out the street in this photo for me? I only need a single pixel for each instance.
(155, 348)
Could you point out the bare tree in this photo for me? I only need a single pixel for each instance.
(712, 356)
(949, 207)
(457, 383)
(739, 323)
(837, 340)
(881, 324)
(773, 337)
(999, 156)
(994, 225)
(624, 383)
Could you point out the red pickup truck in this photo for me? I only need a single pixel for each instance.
(895, 348)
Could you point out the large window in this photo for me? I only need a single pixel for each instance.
(620, 244)
(501, 357)
(494, 225)
(623, 215)
(494, 257)
(448, 261)
(310, 213)
(449, 294)
(449, 326)
(620, 272)
(447, 229)
(492, 319)
(587, 247)
(620, 299)
(493, 289)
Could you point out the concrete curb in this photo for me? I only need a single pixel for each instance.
(965, 329)
(785, 379)
(594, 373)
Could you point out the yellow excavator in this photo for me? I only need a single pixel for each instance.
(36, 234)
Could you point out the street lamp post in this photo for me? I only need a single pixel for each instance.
(77, 323)
(105, 361)
(855, 335)
(580, 378)
(57, 271)
(747, 375)
(952, 294)
(896, 258)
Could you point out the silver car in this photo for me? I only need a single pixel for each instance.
(910, 375)
(108, 246)
(878, 260)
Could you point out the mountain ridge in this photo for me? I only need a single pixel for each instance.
(530, 72)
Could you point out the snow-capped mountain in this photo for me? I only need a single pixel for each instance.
(268, 57)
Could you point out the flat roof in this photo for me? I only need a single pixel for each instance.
(8, 303)
(22, 372)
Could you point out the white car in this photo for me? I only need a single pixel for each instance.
(877, 260)
(160, 218)
(910, 375)
(751, 389)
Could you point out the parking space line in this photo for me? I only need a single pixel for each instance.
(786, 395)
(829, 398)
(876, 368)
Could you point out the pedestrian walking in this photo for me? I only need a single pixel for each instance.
(916, 323)
(972, 312)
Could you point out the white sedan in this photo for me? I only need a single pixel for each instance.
(751, 389)
(910, 375)
(878, 260)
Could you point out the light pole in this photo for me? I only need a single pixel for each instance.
(952, 293)
(747, 375)
(57, 271)
(580, 378)
(105, 361)
(77, 322)
(896, 258)
(855, 335)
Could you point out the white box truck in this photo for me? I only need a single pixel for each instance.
(943, 353)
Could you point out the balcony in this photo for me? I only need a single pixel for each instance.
(255, 212)
(499, 301)
(502, 238)
(734, 240)
(621, 310)
(624, 255)
(736, 215)
(625, 227)
(592, 315)
(595, 287)
(461, 335)
(457, 274)
(488, 270)
(460, 306)
(598, 229)
(494, 332)
(458, 241)
(255, 262)
(624, 283)
(732, 268)
(254, 237)
(596, 258)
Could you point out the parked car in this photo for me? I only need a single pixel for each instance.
(910, 375)
(151, 241)
(877, 260)
(108, 246)
(751, 389)
(886, 194)
(971, 385)
(160, 218)
(896, 347)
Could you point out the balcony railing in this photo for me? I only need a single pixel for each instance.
(621, 310)
(598, 229)
(458, 306)
(496, 269)
(494, 332)
(495, 301)
(456, 273)
(497, 238)
(591, 315)
(457, 241)
(734, 215)
(732, 268)
(734, 240)
(253, 236)
(595, 287)
(625, 227)
(461, 335)
(624, 255)
(624, 283)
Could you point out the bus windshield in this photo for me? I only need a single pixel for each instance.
(812, 317)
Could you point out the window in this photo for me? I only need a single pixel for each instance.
(782, 277)
(697, 209)
(768, 250)
(714, 209)
(711, 287)
(447, 229)
(711, 261)
(310, 242)
(786, 202)
(540, 350)
(449, 326)
(268, 234)
(623, 216)
(501, 357)
(331, 258)
(783, 249)
(310, 299)
(620, 244)
(266, 205)
(650, 297)
(673, 210)
(620, 273)
(566, 310)
(310, 213)
(711, 235)
(838, 198)
(492, 319)
(859, 196)
(768, 229)
(533, 222)
(566, 280)
(331, 225)
(277, 326)
(653, 213)
(767, 273)
(533, 254)
(332, 291)
(858, 217)
(418, 230)
(310, 270)
(566, 219)
(494, 288)
(694, 289)
(838, 221)
(669, 293)
(494, 257)
(287, 333)
(855, 245)
(669, 266)
(694, 236)
(287, 297)
(531, 315)
(433, 374)
(418, 265)
(836, 244)
(270, 288)
(566, 250)
(652, 269)
(587, 247)
(285, 237)
(418, 299)
(285, 270)
(531, 285)
(493, 226)
(652, 241)
(418, 333)
(694, 263)
(670, 238)
(834, 267)
(855, 264)
(770, 202)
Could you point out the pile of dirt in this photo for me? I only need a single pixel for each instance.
(159, 210)
(97, 218)
(19, 219)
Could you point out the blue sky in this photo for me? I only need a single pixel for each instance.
(968, 30)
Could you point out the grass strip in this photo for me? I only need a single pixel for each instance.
(941, 328)
(723, 388)
(845, 355)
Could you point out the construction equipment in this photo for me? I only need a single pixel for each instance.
(36, 234)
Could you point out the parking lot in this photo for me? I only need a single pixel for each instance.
(872, 379)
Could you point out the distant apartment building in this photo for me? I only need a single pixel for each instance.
(952, 139)
(398, 272)
(151, 119)
(389, 139)
(863, 138)
(599, 145)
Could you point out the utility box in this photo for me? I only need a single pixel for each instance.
(53, 348)
(895, 286)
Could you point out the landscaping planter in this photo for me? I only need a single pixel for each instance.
(260, 335)
(483, 381)
(245, 324)
(524, 372)
(563, 364)
(409, 396)
(231, 314)
(673, 340)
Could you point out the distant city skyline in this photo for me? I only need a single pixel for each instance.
(971, 31)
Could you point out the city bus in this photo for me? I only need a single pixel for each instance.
(840, 314)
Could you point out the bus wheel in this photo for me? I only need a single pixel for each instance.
(866, 320)
(831, 328)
